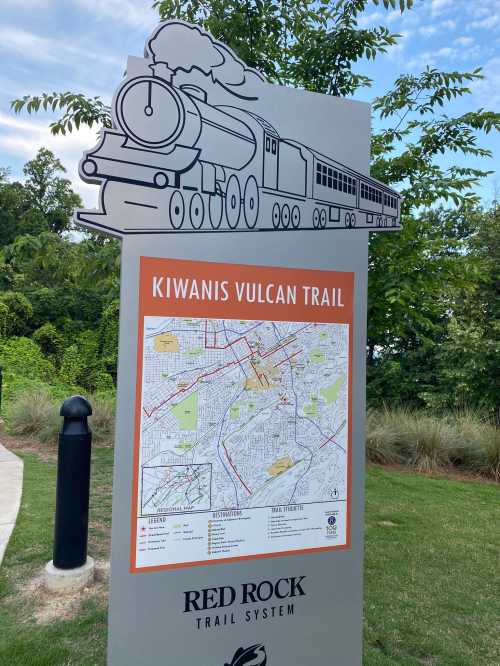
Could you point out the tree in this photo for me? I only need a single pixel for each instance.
(48, 193)
(415, 281)
(13, 208)
(468, 357)
(18, 314)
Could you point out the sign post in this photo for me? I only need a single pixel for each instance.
(244, 211)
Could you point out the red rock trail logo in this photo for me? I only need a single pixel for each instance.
(255, 655)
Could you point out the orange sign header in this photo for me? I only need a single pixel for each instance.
(244, 292)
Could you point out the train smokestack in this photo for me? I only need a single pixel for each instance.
(162, 70)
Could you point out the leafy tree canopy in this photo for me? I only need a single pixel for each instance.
(433, 291)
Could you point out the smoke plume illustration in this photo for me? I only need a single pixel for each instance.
(181, 48)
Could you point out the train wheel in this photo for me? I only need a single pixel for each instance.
(89, 167)
(353, 220)
(160, 180)
(295, 217)
(316, 218)
(215, 207)
(285, 216)
(276, 216)
(196, 211)
(322, 219)
(251, 202)
(347, 220)
(177, 210)
(233, 202)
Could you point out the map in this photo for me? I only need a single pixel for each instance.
(262, 404)
(240, 416)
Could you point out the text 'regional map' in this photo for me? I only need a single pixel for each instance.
(243, 415)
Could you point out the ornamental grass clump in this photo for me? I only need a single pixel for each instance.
(36, 415)
(383, 432)
(427, 442)
(477, 447)
(490, 447)
(33, 415)
(102, 421)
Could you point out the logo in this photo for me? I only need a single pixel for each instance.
(255, 655)
(331, 528)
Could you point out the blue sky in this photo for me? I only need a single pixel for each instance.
(82, 45)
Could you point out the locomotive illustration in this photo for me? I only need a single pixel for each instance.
(193, 166)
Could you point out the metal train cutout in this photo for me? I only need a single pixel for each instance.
(185, 165)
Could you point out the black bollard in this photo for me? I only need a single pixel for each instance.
(73, 485)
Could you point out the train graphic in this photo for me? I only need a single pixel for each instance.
(190, 166)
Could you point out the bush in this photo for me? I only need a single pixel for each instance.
(478, 447)
(467, 440)
(33, 415)
(427, 442)
(102, 420)
(383, 431)
(23, 357)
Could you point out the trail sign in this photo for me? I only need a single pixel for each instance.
(238, 490)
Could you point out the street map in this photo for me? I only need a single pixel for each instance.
(243, 438)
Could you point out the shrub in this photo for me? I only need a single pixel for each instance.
(478, 446)
(23, 357)
(49, 340)
(490, 447)
(383, 430)
(427, 442)
(102, 420)
(33, 414)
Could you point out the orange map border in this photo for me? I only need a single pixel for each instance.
(149, 305)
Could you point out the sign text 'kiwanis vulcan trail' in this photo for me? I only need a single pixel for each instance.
(238, 488)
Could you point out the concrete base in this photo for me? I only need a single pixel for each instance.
(61, 581)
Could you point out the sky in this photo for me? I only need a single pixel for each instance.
(82, 46)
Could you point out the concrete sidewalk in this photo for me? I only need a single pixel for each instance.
(11, 486)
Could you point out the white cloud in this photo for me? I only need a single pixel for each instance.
(375, 18)
(395, 52)
(487, 91)
(27, 44)
(450, 24)
(464, 41)
(440, 6)
(367, 20)
(393, 15)
(34, 47)
(428, 30)
(486, 15)
(135, 13)
(22, 137)
(489, 23)
(446, 52)
(26, 4)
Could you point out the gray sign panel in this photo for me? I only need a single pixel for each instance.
(238, 489)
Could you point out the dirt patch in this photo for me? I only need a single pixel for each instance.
(47, 452)
(49, 607)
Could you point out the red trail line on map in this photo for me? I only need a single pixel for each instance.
(236, 471)
(213, 372)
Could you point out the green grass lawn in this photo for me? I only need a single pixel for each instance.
(431, 573)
